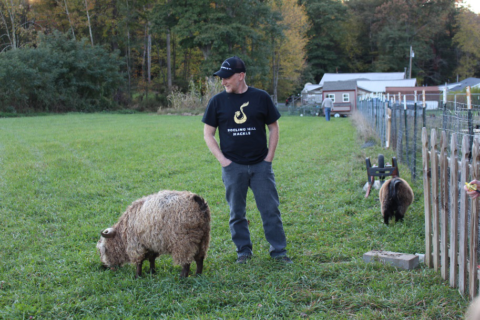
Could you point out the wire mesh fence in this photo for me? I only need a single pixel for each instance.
(451, 221)
(399, 123)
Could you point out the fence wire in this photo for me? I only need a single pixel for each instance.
(409, 117)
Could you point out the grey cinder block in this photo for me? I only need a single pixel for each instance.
(400, 260)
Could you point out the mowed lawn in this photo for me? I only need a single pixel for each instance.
(65, 178)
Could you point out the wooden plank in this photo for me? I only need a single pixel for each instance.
(434, 191)
(444, 205)
(473, 283)
(453, 211)
(426, 199)
(463, 223)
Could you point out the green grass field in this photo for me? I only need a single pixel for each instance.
(65, 178)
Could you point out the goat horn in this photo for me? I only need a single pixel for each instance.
(109, 233)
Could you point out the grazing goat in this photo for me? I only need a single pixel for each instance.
(395, 197)
(167, 222)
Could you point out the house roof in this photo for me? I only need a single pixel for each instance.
(380, 86)
(460, 86)
(327, 77)
(340, 85)
(311, 87)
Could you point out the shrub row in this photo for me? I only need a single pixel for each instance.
(59, 75)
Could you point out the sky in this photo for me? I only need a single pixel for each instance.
(474, 5)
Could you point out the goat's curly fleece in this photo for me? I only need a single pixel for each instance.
(167, 222)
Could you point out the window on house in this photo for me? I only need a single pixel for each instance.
(346, 97)
(331, 96)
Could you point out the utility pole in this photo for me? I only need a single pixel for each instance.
(412, 54)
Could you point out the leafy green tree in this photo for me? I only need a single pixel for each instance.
(16, 24)
(324, 49)
(357, 43)
(420, 24)
(66, 16)
(221, 29)
(59, 75)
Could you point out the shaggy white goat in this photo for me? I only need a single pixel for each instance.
(167, 222)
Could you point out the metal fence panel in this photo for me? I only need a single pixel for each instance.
(408, 117)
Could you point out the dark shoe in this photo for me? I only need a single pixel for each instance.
(284, 259)
(243, 259)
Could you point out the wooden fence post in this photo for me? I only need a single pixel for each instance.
(399, 143)
(470, 119)
(474, 224)
(414, 160)
(453, 210)
(434, 190)
(444, 205)
(463, 244)
(426, 199)
(424, 115)
(388, 114)
(407, 156)
(463, 234)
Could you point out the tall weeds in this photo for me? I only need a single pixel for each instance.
(364, 131)
(196, 97)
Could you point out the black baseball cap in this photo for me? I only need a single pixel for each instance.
(230, 67)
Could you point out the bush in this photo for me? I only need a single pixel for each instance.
(180, 101)
(59, 75)
(213, 86)
(161, 99)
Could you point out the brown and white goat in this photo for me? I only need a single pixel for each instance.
(167, 222)
(395, 198)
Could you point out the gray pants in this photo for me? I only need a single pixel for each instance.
(260, 178)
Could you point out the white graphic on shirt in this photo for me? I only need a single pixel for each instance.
(240, 117)
(241, 131)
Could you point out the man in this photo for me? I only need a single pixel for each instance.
(240, 113)
(327, 104)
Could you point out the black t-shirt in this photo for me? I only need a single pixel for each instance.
(241, 120)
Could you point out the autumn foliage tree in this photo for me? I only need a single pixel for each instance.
(289, 52)
(168, 44)
(467, 40)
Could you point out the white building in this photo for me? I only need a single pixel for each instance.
(345, 88)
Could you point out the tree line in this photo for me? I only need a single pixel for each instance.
(145, 49)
